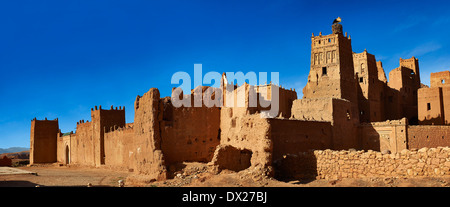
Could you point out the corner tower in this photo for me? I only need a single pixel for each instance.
(332, 73)
(43, 141)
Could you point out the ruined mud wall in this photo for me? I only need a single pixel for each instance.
(189, 133)
(5, 161)
(145, 155)
(319, 109)
(329, 164)
(428, 136)
(292, 136)
(246, 132)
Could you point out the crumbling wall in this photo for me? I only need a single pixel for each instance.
(247, 132)
(428, 136)
(232, 158)
(329, 164)
(319, 109)
(292, 136)
(5, 161)
(189, 133)
(145, 155)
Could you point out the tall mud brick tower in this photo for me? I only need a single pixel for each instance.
(332, 85)
(103, 121)
(331, 73)
(44, 135)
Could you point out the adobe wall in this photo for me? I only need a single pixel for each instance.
(440, 79)
(371, 88)
(82, 145)
(145, 154)
(382, 136)
(189, 133)
(102, 121)
(43, 141)
(320, 109)
(341, 113)
(428, 136)
(381, 73)
(292, 136)
(446, 104)
(434, 102)
(413, 64)
(118, 143)
(5, 161)
(430, 106)
(63, 143)
(345, 123)
(246, 132)
(392, 104)
(329, 164)
(405, 83)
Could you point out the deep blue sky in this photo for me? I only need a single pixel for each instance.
(61, 58)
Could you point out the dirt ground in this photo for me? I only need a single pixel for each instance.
(194, 175)
(63, 176)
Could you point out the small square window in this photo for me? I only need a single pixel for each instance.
(324, 70)
(428, 106)
(361, 80)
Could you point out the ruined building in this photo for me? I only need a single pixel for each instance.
(434, 102)
(347, 103)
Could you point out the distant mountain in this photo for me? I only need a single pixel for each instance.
(13, 149)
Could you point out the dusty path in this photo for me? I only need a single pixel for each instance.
(194, 174)
(63, 176)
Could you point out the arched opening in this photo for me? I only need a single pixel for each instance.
(67, 155)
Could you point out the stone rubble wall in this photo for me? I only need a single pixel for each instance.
(329, 164)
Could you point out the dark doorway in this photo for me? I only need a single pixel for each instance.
(67, 155)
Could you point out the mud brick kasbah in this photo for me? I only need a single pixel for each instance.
(349, 119)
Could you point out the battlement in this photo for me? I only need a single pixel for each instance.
(117, 128)
(327, 40)
(82, 122)
(409, 60)
(363, 54)
(112, 108)
(44, 119)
